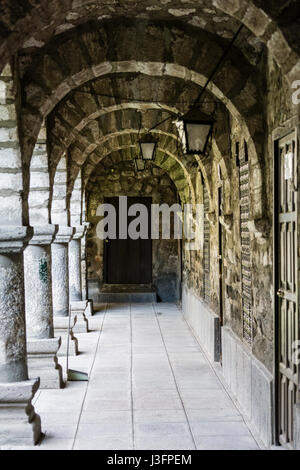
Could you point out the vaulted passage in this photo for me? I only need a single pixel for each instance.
(149, 224)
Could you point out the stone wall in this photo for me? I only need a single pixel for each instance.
(122, 180)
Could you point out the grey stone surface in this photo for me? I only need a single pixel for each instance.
(13, 238)
(136, 398)
(61, 327)
(78, 309)
(13, 366)
(19, 424)
(38, 291)
(250, 383)
(60, 275)
(72, 348)
(203, 321)
(75, 270)
(121, 297)
(89, 311)
(42, 362)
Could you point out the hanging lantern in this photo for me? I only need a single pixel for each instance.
(139, 164)
(197, 128)
(148, 145)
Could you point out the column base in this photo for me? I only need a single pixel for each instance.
(78, 309)
(73, 345)
(61, 326)
(19, 424)
(89, 311)
(43, 363)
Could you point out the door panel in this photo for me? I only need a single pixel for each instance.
(246, 264)
(287, 305)
(206, 247)
(129, 261)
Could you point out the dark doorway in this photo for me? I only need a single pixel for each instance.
(128, 261)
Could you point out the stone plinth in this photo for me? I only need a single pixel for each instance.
(75, 282)
(60, 271)
(61, 326)
(78, 310)
(19, 424)
(89, 311)
(43, 363)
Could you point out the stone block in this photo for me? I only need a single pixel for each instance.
(77, 309)
(19, 424)
(89, 311)
(73, 346)
(250, 383)
(61, 326)
(42, 362)
(204, 322)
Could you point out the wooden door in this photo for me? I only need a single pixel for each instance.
(287, 285)
(128, 261)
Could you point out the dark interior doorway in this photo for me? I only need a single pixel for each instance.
(128, 261)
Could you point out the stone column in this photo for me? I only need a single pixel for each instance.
(89, 310)
(74, 264)
(60, 288)
(77, 305)
(19, 424)
(42, 347)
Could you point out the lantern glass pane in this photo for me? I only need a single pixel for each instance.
(147, 149)
(197, 135)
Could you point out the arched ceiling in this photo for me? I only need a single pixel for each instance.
(88, 123)
(121, 160)
(96, 61)
(32, 23)
(166, 156)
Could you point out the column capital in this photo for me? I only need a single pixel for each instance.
(80, 231)
(14, 238)
(43, 234)
(64, 234)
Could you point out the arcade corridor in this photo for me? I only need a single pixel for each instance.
(151, 387)
(149, 157)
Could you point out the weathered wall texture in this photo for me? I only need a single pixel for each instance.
(225, 216)
(122, 180)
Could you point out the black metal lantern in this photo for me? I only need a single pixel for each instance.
(198, 128)
(139, 164)
(148, 145)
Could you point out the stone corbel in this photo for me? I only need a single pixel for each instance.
(79, 231)
(260, 228)
(64, 234)
(43, 234)
(14, 238)
(227, 221)
(211, 217)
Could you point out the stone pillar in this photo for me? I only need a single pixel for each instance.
(19, 424)
(89, 310)
(42, 347)
(60, 288)
(77, 305)
(74, 265)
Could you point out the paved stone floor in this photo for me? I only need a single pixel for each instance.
(150, 387)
